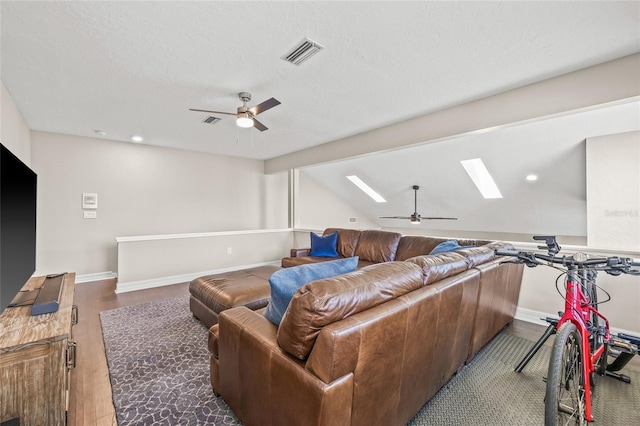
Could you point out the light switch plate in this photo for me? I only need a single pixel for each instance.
(89, 200)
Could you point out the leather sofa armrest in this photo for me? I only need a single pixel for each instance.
(299, 252)
(214, 336)
(248, 344)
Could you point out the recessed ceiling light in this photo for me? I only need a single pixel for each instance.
(137, 138)
(531, 177)
(480, 176)
(366, 189)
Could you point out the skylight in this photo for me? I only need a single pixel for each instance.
(366, 189)
(480, 176)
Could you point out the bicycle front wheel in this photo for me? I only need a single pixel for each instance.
(565, 398)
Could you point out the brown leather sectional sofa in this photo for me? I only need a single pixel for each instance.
(369, 347)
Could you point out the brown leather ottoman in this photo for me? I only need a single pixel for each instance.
(212, 294)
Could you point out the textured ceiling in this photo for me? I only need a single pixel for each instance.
(136, 67)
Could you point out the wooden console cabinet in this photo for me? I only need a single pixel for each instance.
(36, 355)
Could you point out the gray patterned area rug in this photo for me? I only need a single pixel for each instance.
(159, 366)
(159, 369)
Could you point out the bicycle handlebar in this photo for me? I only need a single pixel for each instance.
(613, 265)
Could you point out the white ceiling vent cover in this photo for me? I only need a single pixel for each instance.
(302, 51)
(211, 120)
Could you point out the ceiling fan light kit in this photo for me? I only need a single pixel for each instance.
(244, 120)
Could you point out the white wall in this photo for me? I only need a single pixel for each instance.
(14, 132)
(613, 191)
(275, 201)
(160, 260)
(142, 190)
(316, 207)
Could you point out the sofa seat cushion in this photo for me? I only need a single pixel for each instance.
(436, 267)
(378, 246)
(326, 301)
(288, 262)
(286, 282)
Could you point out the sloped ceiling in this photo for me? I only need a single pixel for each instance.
(126, 68)
(553, 149)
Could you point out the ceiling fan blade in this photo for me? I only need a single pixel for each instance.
(262, 107)
(440, 218)
(212, 112)
(258, 125)
(394, 217)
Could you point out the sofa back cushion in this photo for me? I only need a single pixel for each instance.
(347, 240)
(416, 245)
(477, 255)
(378, 246)
(285, 282)
(326, 301)
(436, 267)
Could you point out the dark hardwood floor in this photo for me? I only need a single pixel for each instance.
(90, 394)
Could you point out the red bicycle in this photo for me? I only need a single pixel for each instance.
(583, 343)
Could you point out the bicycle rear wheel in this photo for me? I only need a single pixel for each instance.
(565, 398)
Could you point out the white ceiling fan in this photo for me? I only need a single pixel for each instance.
(245, 116)
(415, 217)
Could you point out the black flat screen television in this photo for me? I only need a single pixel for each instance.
(18, 190)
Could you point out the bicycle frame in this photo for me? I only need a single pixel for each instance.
(577, 309)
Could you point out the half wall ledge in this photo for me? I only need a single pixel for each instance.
(157, 260)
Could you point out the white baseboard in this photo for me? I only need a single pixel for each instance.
(97, 276)
(124, 287)
(536, 317)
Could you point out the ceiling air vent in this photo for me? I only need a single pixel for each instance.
(211, 120)
(302, 51)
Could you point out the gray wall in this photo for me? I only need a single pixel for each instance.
(142, 190)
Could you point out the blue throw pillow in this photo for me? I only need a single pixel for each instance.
(324, 246)
(285, 282)
(450, 245)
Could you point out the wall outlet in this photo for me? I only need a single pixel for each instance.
(229, 250)
(90, 215)
(353, 219)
